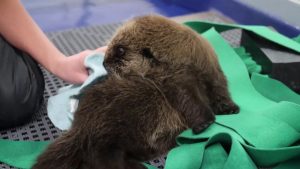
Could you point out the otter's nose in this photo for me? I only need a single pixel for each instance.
(105, 65)
(109, 62)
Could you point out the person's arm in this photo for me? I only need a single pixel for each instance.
(17, 27)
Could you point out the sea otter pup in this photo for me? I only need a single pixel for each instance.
(163, 78)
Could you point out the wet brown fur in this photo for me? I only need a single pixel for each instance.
(165, 79)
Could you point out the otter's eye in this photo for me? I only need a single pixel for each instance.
(120, 51)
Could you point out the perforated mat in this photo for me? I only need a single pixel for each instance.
(71, 42)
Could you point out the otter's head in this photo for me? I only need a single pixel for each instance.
(148, 42)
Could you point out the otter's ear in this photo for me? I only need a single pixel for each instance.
(189, 98)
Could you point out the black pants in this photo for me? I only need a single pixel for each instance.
(21, 86)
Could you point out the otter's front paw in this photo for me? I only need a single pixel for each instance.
(134, 165)
(201, 127)
(226, 108)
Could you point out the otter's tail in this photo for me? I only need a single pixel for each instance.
(63, 153)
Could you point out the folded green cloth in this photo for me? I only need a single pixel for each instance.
(265, 132)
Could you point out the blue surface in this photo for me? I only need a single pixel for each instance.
(57, 15)
(241, 13)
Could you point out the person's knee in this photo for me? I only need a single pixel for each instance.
(18, 103)
(15, 110)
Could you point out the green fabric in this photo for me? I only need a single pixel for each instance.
(264, 133)
(266, 86)
(20, 154)
(251, 65)
(261, 31)
(297, 39)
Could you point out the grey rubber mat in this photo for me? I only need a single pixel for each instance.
(71, 42)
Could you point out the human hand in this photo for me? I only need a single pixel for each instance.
(72, 69)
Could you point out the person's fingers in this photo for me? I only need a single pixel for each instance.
(81, 78)
(73, 69)
(77, 73)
